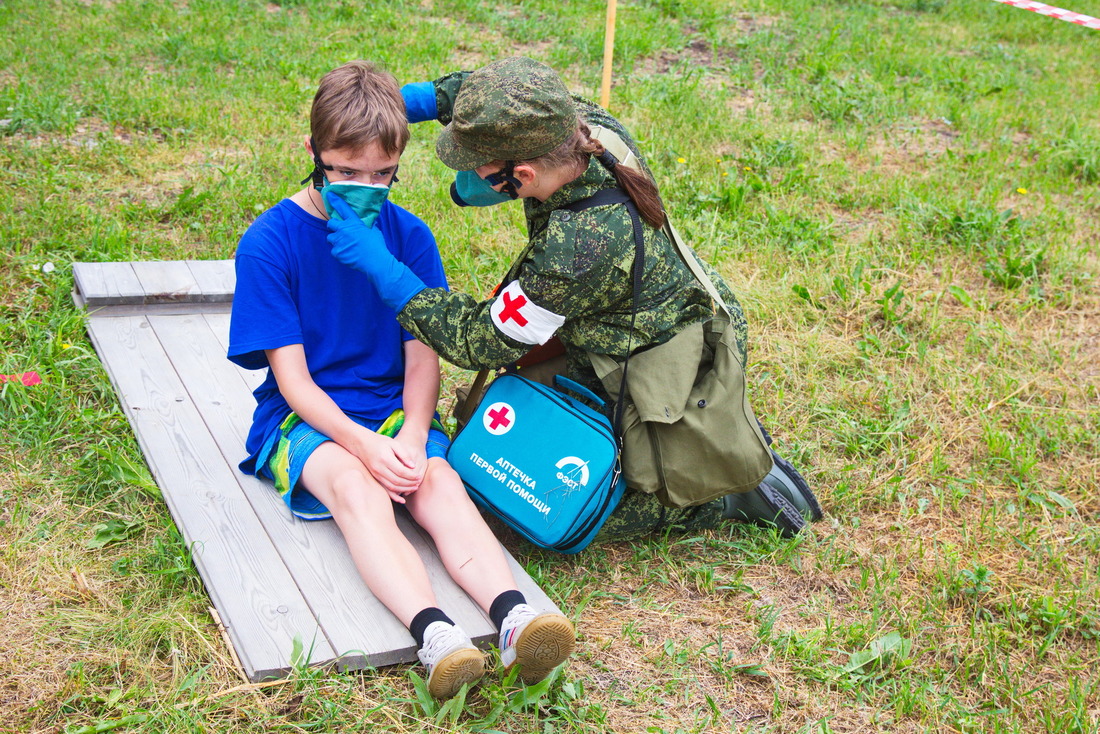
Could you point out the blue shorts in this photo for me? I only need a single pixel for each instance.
(283, 459)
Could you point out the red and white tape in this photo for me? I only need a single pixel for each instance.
(1067, 15)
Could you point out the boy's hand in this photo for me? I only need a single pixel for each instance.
(415, 450)
(364, 248)
(391, 463)
(420, 104)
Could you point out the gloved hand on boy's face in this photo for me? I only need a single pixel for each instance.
(365, 199)
(364, 248)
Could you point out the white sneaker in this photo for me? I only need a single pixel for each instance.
(538, 643)
(451, 659)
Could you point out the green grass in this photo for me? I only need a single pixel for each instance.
(905, 197)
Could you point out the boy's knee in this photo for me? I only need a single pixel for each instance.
(442, 488)
(354, 490)
(442, 480)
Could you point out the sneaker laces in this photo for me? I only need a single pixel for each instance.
(440, 640)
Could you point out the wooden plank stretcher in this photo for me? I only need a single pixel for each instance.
(161, 330)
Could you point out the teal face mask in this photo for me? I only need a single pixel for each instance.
(365, 199)
(470, 189)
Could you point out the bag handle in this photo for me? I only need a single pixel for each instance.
(463, 413)
(567, 385)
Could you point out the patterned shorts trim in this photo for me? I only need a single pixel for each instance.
(296, 441)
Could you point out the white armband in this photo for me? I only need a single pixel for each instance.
(522, 319)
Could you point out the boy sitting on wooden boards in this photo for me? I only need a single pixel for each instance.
(345, 423)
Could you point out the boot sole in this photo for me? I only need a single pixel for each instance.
(813, 511)
(788, 519)
(543, 646)
(769, 509)
(461, 666)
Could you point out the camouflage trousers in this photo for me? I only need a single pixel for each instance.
(640, 513)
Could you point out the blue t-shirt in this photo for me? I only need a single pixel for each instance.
(291, 290)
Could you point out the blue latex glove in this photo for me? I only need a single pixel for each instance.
(420, 103)
(364, 248)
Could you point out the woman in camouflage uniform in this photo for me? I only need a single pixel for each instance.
(514, 131)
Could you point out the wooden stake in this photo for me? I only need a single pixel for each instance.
(608, 53)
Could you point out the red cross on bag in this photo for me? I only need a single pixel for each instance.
(499, 417)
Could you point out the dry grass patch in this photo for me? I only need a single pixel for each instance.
(677, 646)
(88, 133)
(903, 149)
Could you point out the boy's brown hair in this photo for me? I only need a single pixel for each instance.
(358, 104)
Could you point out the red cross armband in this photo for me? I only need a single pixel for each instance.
(519, 317)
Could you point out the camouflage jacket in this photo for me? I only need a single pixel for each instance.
(576, 268)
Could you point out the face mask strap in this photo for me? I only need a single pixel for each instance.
(506, 176)
(317, 175)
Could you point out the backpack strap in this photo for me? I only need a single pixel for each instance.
(615, 145)
(618, 196)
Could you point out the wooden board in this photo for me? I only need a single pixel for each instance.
(215, 279)
(274, 579)
(191, 281)
(102, 284)
(254, 593)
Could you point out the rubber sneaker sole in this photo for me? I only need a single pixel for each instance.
(461, 666)
(548, 640)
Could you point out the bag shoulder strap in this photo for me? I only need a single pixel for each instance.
(614, 144)
(611, 142)
(600, 198)
(690, 259)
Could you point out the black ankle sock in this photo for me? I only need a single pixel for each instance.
(424, 618)
(503, 604)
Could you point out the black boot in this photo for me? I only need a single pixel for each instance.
(766, 506)
(790, 483)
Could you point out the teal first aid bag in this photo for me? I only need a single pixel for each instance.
(542, 460)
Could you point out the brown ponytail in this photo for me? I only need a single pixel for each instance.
(637, 185)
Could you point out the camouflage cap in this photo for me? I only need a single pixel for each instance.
(513, 109)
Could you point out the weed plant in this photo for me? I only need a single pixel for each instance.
(905, 197)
